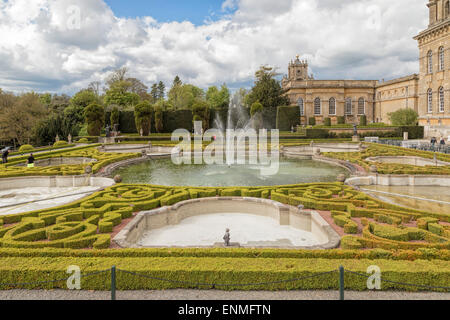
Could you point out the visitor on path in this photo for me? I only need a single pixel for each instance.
(433, 141)
(30, 161)
(5, 154)
(227, 237)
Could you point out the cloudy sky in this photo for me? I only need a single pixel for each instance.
(63, 45)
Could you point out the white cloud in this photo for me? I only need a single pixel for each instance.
(359, 39)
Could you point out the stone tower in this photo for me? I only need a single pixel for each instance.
(439, 10)
(298, 69)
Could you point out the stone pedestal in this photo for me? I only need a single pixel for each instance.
(405, 136)
(356, 139)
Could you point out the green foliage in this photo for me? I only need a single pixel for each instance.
(95, 118)
(201, 112)
(115, 116)
(404, 117)
(287, 117)
(327, 122)
(267, 90)
(119, 94)
(184, 96)
(363, 120)
(60, 143)
(218, 99)
(312, 121)
(341, 120)
(26, 148)
(255, 108)
(143, 117)
(159, 124)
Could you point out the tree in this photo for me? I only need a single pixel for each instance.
(95, 118)
(161, 90)
(116, 75)
(177, 82)
(154, 92)
(120, 95)
(183, 97)
(403, 117)
(138, 87)
(19, 115)
(218, 99)
(267, 90)
(143, 117)
(256, 107)
(94, 86)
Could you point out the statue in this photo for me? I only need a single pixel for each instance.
(69, 138)
(108, 131)
(355, 130)
(57, 138)
(227, 237)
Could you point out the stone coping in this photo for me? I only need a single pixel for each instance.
(57, 161)
(400, 180)
(287, 215)
(54, 182)
(411, 160)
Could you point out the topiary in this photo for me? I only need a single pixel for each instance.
(312, 121)
(26, 148)
(60, 143)
(83, 140)
(95, 118)
(363, 121)
(143, 117)
(327, 122)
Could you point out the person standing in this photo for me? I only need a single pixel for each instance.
(5, 154)
(30, 161)
(433, 141)
(442, 143)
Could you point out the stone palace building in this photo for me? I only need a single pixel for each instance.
(428, 92)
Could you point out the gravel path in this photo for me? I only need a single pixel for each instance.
(216, 295)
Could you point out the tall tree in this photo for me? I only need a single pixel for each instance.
(154, 92)
(143, 117)
(177, 82)
(161, 90)
(267, 90)
(95, 118)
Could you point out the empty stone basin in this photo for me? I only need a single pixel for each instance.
(410, 160)
(58, 161)
(253, 222)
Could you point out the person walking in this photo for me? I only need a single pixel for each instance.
(30, 161)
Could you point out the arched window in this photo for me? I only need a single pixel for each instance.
(332, 104)
(441, 100)
(430, 100)
(348, 106)
(317, 106)
(430, 62)
(441, 59)
(301, 106)
(361, 106)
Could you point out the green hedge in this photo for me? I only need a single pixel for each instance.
(287, 117)
(223, 271)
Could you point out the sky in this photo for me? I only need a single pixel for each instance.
(60, 46)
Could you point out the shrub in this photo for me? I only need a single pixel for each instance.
(312, 121)
(95, 119)
(60, 143)
(26, 148)
(143, 117)
(256, 107)
(403, 117)
(83, 140)
(327, 122)
(363, 121)
(341, 120)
